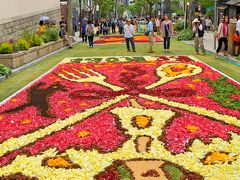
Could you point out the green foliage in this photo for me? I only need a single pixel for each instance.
(185, 35)
(107, 8)
(173, 172)
(4, 70)
(121, 9)
(46, 38)
(179, 26)
(28, 37)
(6, 48)
(206, 3)
(124, 173)
(22, 44)
(52, 33)
(223, 92)
(36, 40)
(175, 7)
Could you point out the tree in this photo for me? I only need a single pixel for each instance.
(99, 3)
(107, 8)
(206, 3)
(69, 18)
(150, 4)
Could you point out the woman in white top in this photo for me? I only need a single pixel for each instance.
(128, 34)
(158, 24)
(208, 23)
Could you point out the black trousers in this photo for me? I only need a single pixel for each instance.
(113, 29)
(105, 31)
(84, 37)
(132, 43)
(90, 41)
(166, 42)
(120, 30)
(220, 42)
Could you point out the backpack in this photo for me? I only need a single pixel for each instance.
(90, 30)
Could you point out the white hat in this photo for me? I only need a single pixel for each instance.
(195, 20)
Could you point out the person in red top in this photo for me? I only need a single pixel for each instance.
(222, 35)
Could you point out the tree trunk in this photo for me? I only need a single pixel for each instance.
(69, 19)
(150, 9)
(168, 8)
(192, 9)
(100, 11)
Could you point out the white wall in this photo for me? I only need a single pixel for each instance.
(14, 9)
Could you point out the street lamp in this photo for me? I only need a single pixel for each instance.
(215, 21)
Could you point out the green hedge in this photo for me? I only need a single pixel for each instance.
(185, 35)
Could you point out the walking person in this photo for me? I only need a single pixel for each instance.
(167, 32)
(150, 33)
(83, 31)
(198, 31)
(90, 33)
(129, 35)
(208, 24)
(222, 36)
(65, 36)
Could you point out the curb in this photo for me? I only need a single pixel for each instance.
(225, 58)
(25, 66)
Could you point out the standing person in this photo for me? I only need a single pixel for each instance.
(90, 33)
(236, 35)
(222, 36)
(208, 23)
(97, 27)
(198, 31)
(120, 26)
(83, 31)
(129, 34)
(105, 27)
(150, 34)
(113, 26)
(158, 24)
(65, 36)
(167, 32)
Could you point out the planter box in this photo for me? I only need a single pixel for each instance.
(20, 58)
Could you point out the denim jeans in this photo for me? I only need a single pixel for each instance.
(90, 41)
(132, 43)
(166, 42)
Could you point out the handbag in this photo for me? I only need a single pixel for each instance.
(147, 33)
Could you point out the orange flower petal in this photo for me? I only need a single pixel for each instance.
(83, 133)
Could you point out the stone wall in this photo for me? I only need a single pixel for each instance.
(15, 28)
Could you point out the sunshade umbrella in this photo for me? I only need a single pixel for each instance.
(44, 18)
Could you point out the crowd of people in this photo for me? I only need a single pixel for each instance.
(161, 25)
(128, 27)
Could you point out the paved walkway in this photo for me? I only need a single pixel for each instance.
(209, 46)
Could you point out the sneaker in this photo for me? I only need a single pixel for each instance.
(134, 50)
(150, 51)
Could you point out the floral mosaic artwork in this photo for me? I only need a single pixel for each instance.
(105, 118)
(121, 39)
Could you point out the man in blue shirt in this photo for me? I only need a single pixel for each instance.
(84, 31)
(151, 34)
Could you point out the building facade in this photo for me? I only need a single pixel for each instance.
(17, 16)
